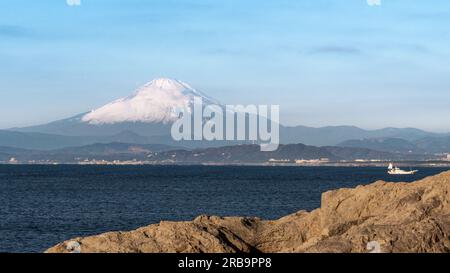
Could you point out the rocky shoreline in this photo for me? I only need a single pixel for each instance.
(381, 217)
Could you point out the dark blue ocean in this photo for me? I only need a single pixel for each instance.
(43, 205)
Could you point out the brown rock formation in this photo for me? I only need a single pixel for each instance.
(397, 217)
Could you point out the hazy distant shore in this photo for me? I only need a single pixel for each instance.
(355, 164)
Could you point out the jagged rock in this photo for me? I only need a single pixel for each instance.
(396, 217)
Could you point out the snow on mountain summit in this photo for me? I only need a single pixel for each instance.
(156, 101)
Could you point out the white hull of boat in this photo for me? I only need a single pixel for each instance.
(401, 172)
(397, 171)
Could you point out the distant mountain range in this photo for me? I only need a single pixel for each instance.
(426, 145)
(334, 135)
(146, 116)
(44, 141)
(167, 154)
(290, 153)
(417, 142)
(110, 151)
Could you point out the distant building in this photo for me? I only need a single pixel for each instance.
(312, 161)
(448, 157)
(273, 160)
(13, 161)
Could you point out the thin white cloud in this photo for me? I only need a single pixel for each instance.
(73, 3)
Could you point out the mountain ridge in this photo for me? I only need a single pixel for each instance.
(154, 102)
(164, 154)
(426, 145)
(151, 109)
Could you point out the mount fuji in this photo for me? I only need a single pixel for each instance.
(155, 102)
(149, 112)
(146, 117)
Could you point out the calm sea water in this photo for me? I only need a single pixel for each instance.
(43, 205)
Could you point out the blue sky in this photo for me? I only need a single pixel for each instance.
(325, 62)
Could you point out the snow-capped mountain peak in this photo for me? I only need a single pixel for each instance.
(156, 101)
(167, 84)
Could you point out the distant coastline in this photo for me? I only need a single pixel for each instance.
(355, 164)
(246, 154)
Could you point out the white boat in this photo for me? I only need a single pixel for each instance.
(397, 171)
